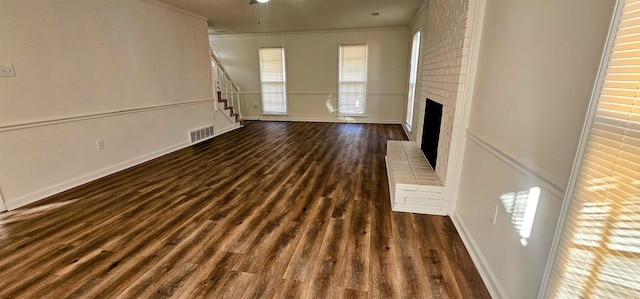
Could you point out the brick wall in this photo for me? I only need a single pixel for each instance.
(448, 39)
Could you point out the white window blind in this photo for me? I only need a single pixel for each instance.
(352, 89)
(413, 74)
(273, 82)
(599, 249)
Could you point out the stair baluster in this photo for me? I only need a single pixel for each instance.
(227, 92)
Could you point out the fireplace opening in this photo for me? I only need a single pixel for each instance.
(431, 131)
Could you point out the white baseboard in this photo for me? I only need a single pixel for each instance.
(52, 190)
(488, 277)
(2, 205)
(407, 132)
(355, 120)
(227, 129)
(399, 207)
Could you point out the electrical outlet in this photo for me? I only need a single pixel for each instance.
(494, 214)
(100, 144)
(6, 70)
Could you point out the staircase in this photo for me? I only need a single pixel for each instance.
(227, 106)
(228, 93)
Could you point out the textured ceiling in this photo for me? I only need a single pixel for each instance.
(237, 16)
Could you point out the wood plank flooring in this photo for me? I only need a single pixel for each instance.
(273, 210)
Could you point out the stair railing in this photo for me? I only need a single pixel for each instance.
(224, 84)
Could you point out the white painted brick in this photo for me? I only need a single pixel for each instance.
(435, 189)
(400, 186)
(448, 36)
(420, 194)
(437, 203)
(445, 61)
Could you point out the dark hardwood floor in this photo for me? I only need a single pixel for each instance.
(273, 210)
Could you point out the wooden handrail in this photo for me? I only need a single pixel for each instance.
(224, 71)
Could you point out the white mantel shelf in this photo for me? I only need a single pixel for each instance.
(413, 185)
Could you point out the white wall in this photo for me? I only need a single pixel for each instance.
(536, 69)
(312, 71)
(132, 73)
(536, 74)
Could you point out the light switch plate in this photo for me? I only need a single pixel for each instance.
(100, 144)
(6, 70)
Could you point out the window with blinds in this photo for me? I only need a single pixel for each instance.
(352, 85)
(599, 250)
(273, 82)
(413, 74)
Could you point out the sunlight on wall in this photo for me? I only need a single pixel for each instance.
(522, 206)
(347, 119)
(329, 104)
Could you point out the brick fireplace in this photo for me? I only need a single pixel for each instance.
(445, 62)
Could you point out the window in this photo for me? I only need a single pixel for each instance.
(352, 86)
(413, 74)
(598, 254)
(273, 82)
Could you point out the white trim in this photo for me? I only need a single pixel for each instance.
(407, 132)
(175, 9)
(351, 115)
(414, 70)
(340, 61)
(355, 120)
(227, 129)
(488, 277)
(472, 66)
(262, 71)
(390, 93)
(529, 172)
(87, 116)
(55, 189)
(212, 71)
(250, 34)
(3, 207)
(582, 144)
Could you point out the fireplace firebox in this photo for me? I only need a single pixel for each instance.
(431, 131)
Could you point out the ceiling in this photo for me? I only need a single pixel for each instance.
(237, 16)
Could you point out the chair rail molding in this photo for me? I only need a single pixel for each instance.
(86, 116)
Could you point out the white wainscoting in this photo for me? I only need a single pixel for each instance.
(82, 162)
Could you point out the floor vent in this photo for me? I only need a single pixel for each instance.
(201, 134)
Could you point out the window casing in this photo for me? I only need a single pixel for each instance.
(273, 82)
(598, 253)
(413, 74)
(352, 80)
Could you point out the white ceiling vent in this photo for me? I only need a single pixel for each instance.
(201, 134)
